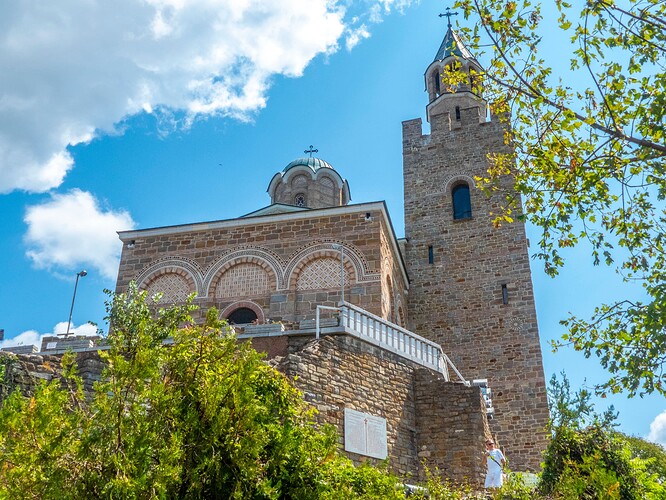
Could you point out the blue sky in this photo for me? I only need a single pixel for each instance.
(143, 114)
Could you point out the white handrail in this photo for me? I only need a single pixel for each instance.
(317, 317)
(394, 338)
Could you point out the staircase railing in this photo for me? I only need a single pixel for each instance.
(394, 338)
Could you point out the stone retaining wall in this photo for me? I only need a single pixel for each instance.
(443, 423)
(427, 417)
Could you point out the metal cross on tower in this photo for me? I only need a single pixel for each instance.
(448, 14)
(311, 150)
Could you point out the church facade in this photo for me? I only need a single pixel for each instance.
(454, 280)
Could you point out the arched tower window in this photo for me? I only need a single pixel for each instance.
(436, 82)
(462, 204)
(475, 82)
(242, 316)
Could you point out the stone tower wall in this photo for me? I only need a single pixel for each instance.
(457, 300)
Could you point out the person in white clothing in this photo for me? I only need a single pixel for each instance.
(496, 461)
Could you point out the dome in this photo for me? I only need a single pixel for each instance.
(314, 163)
(309, 183)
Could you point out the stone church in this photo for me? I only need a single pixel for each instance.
(385, 334)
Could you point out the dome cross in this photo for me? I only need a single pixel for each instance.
(311, 150)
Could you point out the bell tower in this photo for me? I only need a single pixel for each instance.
(471, 286)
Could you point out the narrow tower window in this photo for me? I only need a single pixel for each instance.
(431, 255)
(462, 205)
(505, 294)
(436, 81)
(458, 113)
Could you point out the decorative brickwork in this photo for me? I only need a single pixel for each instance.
(321, 273)
(463, 283)
(387, 299)
(258, 256)
(355, 263)
(173, 287)
(243, 280)
(299, 181)
(309, 182)
(189, 270)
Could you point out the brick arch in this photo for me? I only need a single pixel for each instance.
(190, 271)
(353, 262)
(239, 261)
(173, 276)
(262, 258)
(458, 178)
(388, 308)
(258, 310)
(400, 318)
(300, 181)
(330, 175)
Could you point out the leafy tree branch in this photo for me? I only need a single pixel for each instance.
(588, 126)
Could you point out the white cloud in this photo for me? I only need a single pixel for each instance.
(354, 36)
(72, 69)
(71, 231)
(35, 338)
(658, 429)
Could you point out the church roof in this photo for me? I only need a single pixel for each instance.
(452, 46)
(275, 208)
(314, 163)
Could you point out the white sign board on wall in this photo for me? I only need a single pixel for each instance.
(365, 434)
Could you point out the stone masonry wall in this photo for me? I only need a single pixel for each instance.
(450, 437)
(339, 372)
(457, 300)
(279, 251)
(27, 371)
(318, 191)
(426, 416)
(394, 286)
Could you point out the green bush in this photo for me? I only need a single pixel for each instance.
(203, 418)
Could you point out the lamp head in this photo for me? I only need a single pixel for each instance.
(82, 273)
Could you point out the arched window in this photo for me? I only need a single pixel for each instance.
(436, 81)
(242, 316)
(462, 205)
(475, 82)
(299, 200)
(452, 79)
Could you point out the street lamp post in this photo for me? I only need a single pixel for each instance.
(80, 274)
